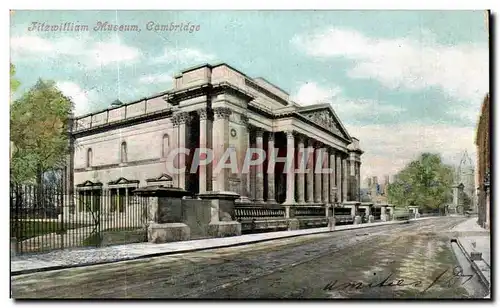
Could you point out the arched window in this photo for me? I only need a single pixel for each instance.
(89, 158)
(123, 152)
(165, 145)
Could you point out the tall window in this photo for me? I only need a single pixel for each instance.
(165, 145)
(123, 152)
(89, 158)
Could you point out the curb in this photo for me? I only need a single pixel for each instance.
(477, 270)
(165, 253)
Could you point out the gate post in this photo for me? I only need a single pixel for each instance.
(164, 214)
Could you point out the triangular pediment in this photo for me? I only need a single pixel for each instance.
(123, 180)
(89, 184)
(324, 116)
(164, 177)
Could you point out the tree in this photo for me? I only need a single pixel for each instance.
(14, 83)
(39, 131)
(425, 182)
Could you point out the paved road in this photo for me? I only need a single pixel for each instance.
(400, 261)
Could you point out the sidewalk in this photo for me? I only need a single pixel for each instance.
(478, 242)
(60, 259)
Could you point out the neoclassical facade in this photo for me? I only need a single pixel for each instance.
(217, 107)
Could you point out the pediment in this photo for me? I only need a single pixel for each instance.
(162, 178)
(89, 184)
(123, 180)
(325, 117)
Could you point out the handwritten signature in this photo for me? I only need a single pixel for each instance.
(456, 276)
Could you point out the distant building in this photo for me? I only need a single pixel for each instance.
(483, 164)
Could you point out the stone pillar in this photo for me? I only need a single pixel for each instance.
(270, 174)
(180, 119)
(344, 179)
(290, 174)
(317, 175)
(358, 181)
(222, 222)
(338, 177)
(383, 215)
(310, 172)
(220, 138)
(352, 178)
(300, 175)
(244, 174)
(259, 174)
(164, 214)
(252, 172)
(205, 172)
(331, 192)
(326, 176)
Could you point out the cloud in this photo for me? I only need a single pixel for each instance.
(183, 56)
(156, 78)
(388, 148)
(91, 54)
(460, 71)
(311, 93)
(82, 99)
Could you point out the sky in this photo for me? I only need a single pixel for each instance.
(403, 82)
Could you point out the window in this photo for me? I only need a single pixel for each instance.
(123, 152)
(89, 158)
(165, 145)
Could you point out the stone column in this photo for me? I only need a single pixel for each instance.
(180, 119)
(290, 174)
(301, 168)
(326, 176)
(220, 138)
(317, 174)
(358, 181)
(251, 175)
(270, 175)
(244, 174)
(344, 179)
(310, 172)
(352, 178)
(259, 174)
(338, 177)
(205, 172)
(332, 177)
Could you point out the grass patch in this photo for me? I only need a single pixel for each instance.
(25, 229)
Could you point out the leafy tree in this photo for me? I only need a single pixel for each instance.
(39, 131)
(14, 83)
(425, 182)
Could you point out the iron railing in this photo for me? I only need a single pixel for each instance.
(46, 218)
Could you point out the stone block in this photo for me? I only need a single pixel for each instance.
(417, 215)
(357, 220)
(293, 224)
(371, 219)
(384, 217)
(331, 223)
(224, 229)
(123, 237)
(168, 232)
